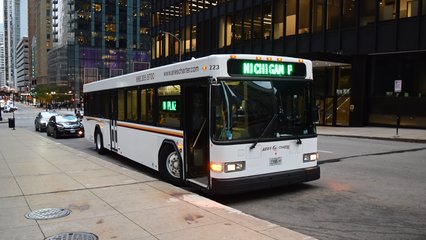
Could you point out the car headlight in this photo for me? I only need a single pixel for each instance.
(309, 157)
(60, 127)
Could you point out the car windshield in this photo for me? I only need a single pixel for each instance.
(48, 114)
(66, 118)
(261, 110)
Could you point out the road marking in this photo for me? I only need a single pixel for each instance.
(323, 151)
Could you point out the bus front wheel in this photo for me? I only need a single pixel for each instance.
(170, 165)
(99, 143)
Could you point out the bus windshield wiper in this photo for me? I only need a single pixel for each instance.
(264, 131)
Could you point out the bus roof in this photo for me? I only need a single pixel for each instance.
(210, 66)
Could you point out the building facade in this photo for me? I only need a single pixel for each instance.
(22, 69)
(360, 49)
(2, 58)
(100, 39)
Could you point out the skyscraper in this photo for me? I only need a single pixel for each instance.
(101, 39)
(12, 35)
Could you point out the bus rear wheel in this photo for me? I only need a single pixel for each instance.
(170, 165)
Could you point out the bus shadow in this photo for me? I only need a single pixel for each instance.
(284, 191)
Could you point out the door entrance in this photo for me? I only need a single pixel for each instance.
(196, 135)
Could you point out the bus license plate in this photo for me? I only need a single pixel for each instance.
(275, 161)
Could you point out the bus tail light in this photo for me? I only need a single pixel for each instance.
(308, 157)
(216, 167)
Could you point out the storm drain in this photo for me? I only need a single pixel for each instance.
(48, 213)
(74, 236)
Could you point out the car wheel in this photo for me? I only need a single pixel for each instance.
(99, 143)
(170, 165)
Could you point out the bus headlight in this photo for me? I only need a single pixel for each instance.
(308, 157)
(235, 166)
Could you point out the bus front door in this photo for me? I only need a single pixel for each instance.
(196, 135)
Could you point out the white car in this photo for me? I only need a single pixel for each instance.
(10, 108)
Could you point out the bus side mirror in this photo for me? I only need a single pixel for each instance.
(315, 114)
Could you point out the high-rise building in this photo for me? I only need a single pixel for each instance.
(2, 58)
(22, 71)
(12, 35)
(360, 48)
(101, 39)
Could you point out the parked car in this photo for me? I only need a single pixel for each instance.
(40, 122)
(64, 125)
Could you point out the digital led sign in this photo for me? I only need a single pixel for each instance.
(169, 105)
(238, 67)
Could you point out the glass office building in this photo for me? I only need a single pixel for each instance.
(101, 39)
(360, 48)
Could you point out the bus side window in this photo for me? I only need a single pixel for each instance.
(121, 105)
(169, 106)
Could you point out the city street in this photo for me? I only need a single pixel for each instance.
(369, 189)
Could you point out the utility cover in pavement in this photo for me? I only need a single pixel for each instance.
(74, 236)
(48, 213)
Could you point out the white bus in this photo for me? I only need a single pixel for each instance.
(222, 123)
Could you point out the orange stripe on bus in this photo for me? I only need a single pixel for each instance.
(151, 130)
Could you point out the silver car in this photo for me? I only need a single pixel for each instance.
(41, 120)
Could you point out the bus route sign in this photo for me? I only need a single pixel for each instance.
(252, 68)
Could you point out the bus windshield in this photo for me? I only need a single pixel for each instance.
(247, 110)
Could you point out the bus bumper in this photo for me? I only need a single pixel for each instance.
(252, 183)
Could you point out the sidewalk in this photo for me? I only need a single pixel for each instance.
(386, 133)
(107, 200)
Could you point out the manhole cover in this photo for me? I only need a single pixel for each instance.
(74, 236)
(48, 213)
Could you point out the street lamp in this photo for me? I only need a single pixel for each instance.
(180, 42)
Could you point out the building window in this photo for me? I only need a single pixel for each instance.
(247, 25)
(257, 21)
(238, 27)
(368, 13)
(408, 8)
(194, 39)
(267, 21)
(278, 19)
(387, 10)
(225, 31)
(333, 14)
(349, 13)
(290, 25)
(317, 15)
(303, 16)
(424, 7)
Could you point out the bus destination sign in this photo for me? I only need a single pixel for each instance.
(253, 68)
(169, 105)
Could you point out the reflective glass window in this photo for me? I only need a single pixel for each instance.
(303, 16)
(387, 10)
(333, 14)
(317, 15)
(290, 24)
(278, 19)
(349, 13)
(368, 13)
(408, 8)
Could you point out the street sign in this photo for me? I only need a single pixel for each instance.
(398, 86)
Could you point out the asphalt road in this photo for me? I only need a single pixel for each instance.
(369, 189)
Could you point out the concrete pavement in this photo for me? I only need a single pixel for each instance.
(105, 199)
